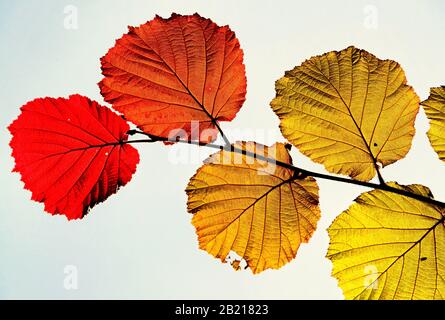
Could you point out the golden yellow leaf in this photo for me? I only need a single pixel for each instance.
(389, 246)
(434, 108)
(251, 207)
(348, 110)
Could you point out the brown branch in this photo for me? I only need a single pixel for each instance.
(299, 172)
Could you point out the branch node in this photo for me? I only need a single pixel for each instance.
(299, 174)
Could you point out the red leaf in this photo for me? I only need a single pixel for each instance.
(69, 153)
(168, 73)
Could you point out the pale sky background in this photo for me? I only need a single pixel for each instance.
(140, 243)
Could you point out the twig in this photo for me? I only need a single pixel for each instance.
(299, 172)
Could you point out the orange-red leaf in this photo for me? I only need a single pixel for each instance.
(176, 73)
(69, 153)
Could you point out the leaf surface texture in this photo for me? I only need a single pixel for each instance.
(348, 110)
(251, 207)
(69, 153)
(389, 246)
(176, 74)
(434, 108)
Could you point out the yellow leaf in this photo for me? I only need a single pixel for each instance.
(389, 246)
(435, 111)
(251, 207)
(348, 110)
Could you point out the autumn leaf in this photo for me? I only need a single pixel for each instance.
(348, 110)
(256, 209)
(434, 108)
(389, 246)
(69, 153)
(176, 74)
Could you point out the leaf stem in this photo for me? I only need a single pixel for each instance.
(226, 140)
(379, 174)
(299, 172)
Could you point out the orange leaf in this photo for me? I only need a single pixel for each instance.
(169, 76)
(259, 211)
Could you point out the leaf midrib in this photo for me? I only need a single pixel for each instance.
(253, 204)
(371, 155)
(179, 79)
